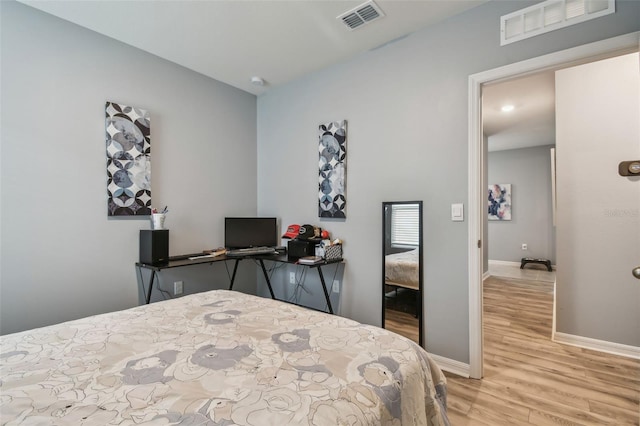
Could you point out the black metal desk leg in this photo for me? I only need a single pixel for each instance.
(153, 277)
(233, 277)
(324, 288)
(266, 277)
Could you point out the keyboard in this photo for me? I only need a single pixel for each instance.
(251, 251)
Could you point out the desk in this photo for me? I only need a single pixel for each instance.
(280, 258)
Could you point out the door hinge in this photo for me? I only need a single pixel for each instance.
(479, 243)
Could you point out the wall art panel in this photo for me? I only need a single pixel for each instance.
(128, 160)
(500, 201)
(332, 174)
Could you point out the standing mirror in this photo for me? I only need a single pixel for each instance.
(402, 268)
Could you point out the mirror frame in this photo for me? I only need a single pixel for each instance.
(420, 301)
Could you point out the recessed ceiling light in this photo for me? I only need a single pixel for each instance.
(507, 108)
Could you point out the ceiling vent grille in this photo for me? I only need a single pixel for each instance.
(550, 15)
(363, 14)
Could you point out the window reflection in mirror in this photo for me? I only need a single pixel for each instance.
(402, 268)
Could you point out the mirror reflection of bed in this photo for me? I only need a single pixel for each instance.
(402, 268)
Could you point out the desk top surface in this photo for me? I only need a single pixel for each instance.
(177, 261)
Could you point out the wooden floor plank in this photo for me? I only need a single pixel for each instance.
(620, 415)
(403, 323)
(531, 380)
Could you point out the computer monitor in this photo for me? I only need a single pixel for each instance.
(244, 232)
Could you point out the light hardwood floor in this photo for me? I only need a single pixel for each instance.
(403, 323)
(530, 380)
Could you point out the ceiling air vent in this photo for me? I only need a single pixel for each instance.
(363, 14)
(550, 15)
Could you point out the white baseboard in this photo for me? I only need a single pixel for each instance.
(597, 345)
(485, 275)
(504, 263)
(452, 366)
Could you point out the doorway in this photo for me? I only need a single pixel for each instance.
(477, 201)
(518, 121)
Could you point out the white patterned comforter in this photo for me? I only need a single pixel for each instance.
(402, 269)
(217, 358)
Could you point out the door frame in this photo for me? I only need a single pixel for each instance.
(477, 204)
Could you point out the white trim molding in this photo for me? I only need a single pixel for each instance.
(504, 263)
(597, 345)
(477, 204)
(451, 365)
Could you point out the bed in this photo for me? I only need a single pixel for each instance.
(402, 269)
(218, 358)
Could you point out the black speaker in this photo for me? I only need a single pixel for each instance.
(154, 246)
(299, 248)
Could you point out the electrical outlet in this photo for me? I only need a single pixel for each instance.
(524, 246)
(178, 287)
(292, 277)
(336, 286)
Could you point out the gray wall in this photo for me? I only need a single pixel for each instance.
(406, 105)
(62, 258)
(528, 170)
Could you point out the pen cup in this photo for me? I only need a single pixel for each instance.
(158, 220)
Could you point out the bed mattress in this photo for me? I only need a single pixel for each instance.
(402, 269)
(218, 358)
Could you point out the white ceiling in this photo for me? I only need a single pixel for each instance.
(281, 40)
(532, 121)
(233, 40)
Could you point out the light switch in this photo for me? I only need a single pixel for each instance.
(457, 212)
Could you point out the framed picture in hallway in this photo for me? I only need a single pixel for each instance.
(499, 201)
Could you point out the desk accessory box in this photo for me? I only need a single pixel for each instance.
(154, 246)
(333, 251)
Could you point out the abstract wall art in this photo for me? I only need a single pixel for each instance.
(500, 201)
(128, 160)
(332, 147)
